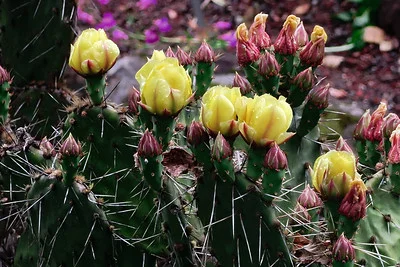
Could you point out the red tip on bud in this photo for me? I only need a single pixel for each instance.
(374, 129)
(257, 33)
(354, 204)
(196, 134)
(275, 159)
(343, 250)
(47, 148)
(242, 83)
(319, 96)
(309, 199)
(268, 65)
(221, 149)
(246, 51)
(390, 123)
(301, 35)
(4, 76)
(205, 53)
(70, 147)
(361, 127)
(170, 53)
(133, 101)
(304, 80)
(394, 152)
(148, 146)
(342, 145)
(183, 57)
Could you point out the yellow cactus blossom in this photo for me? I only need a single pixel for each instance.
(218, 111)
(334, 173)
(264, 119)
(317, 33)
(291, 23)
(165, 86)
(93, 53)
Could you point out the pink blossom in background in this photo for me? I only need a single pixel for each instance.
(107, 22)
(163, 25)
(103, 2)
(85, 17)
(151, 36)
(117, 35)
(144, 4)
(229, 38)
(222, 25)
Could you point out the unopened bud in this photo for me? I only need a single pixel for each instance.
(268, 65)
(319, 96)
(170, 53)
(374, 129)
(205, 53)
(242, 83)
(301, 35)
(285, 43)
(361, 127)
(343, 250)
(309, 198)
(304, 79)
(4, 76)
(70, 147)
(257, 33)
(354, 204)
(390, 123)
(246, 51)
(342, 145)
(47, 148)
(183, 57)
(196, 134)
(221, 149)
(148, 146)
(275, 158)
(301, 215)
(394, 152)
(133, 101)
(314, 51)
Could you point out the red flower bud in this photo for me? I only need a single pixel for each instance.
(304, 80)
(301, 215)
(361, 127)
(374, 129)
(300, 35)
(4, 76)
(221, 149)
(148, 146)
(170, 53)
(275, 159)
(342, 145)
(319, 96)
(343, 250)
(47, 148)
(183, 57)
(268, 65)
(196, 134)
(257, 33)
(309, 199)
(394, 152)
(205, 53)
(133, 101)
(390, 123)
(242, 83)
(70, 147)
(246, 51)
(313, 53)
(354, 204)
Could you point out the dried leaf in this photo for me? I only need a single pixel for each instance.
(301, 9)
(374, 35)
(332, 61)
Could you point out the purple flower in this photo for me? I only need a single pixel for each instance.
(229, 37)
(103, 2)
(222, 25)
(151, 36)
(107, 21)
(117, 35)
(85, 17)
(144, 4)
(163, 25)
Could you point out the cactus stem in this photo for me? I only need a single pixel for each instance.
(96, 87)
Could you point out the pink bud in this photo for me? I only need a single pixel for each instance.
(257, 33)
(361, 127)
(133, 101)
(170, 53)
(148, 146)
(342, 145)
(394, 152)
(183, 57)
(300, 35)
(196, 134)
(4, 76)
(390, 123)
(275, 159)
(304, 80)
(268, 66)
(319, 96)
(313, 53)
(205, 53)
(47, 148)
(343, 250)
(374, 129)
(301, 215)
(309, 199)
(221, 149)
(246, 51)
(285, 43)
(354, 204)
(70, 147)
(242, 83)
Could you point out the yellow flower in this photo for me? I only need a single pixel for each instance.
(93, 53)
(165, 85)
(291, 23)
(218, 112)
(264, 119)
(317, 33)
(334, 173)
